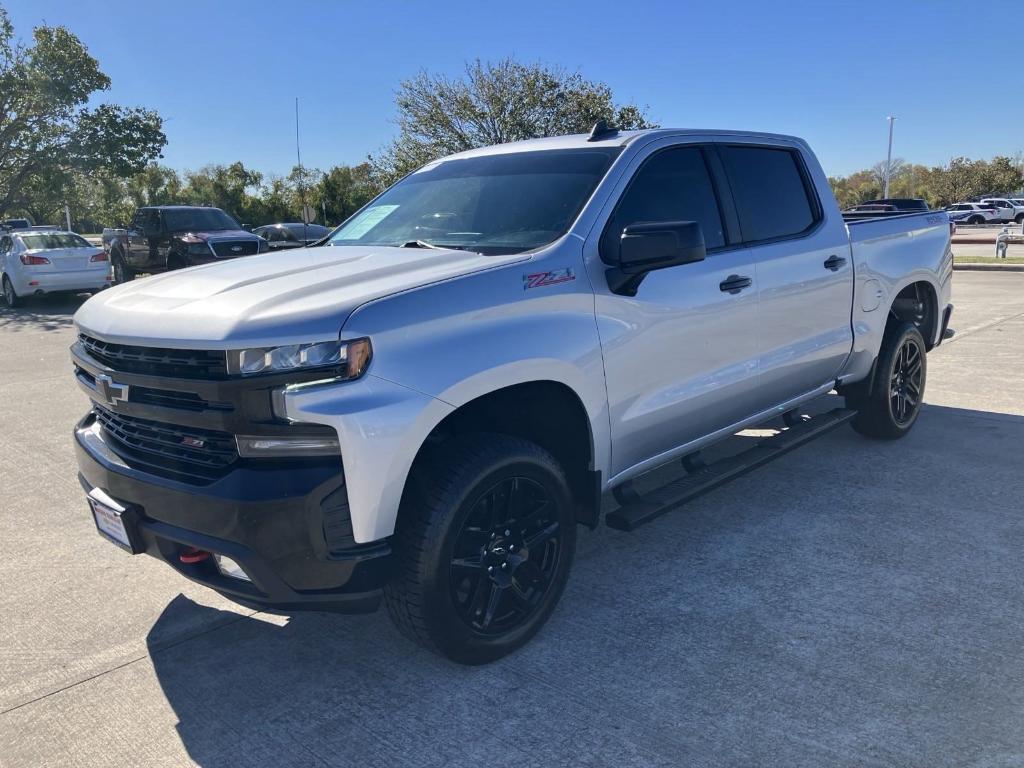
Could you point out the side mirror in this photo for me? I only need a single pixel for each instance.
(649, 246)
(247, 227)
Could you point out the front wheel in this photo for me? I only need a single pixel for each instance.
(897, 391)
(485, 540)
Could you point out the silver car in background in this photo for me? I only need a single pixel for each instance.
(35, 262)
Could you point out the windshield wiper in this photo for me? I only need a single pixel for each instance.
(435, 247)
(420, 244)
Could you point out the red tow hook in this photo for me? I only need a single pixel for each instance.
(191, 555)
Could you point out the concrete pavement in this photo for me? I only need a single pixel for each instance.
(853, 604)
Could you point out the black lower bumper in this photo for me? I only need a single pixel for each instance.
(273, 519)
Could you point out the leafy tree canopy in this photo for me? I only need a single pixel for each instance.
(47, 133)
(492, 104)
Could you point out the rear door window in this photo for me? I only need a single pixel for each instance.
(772, 194)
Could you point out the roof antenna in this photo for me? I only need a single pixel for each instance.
(302, 191)
(602, 130)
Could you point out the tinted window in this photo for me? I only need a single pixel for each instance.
(769, 190)
(309, 231)
(502, 203)
(54, 241)
(198, 220)
(5, 244)
(673, 185)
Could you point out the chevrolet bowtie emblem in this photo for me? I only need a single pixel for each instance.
(111, 391)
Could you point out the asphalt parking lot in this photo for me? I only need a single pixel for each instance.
(853, 604)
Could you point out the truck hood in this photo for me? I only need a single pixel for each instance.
(283, 297)
(219, 234)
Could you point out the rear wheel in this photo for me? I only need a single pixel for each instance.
(122, 272)
(894, 403)
(1019, 218)
(976, 220)
(10, 296)
(485, 538)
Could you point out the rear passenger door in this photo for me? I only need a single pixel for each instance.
(681, 355)
(804, 272)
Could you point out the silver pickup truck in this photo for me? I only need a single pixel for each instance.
(423, 408)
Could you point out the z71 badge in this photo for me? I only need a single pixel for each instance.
(551, 277)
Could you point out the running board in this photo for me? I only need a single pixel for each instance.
(635, 510)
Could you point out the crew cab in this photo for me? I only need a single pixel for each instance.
(167, 237)
(423, 409)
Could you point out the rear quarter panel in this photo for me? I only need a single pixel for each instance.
(890, 254)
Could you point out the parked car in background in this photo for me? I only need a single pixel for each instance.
(11, 224)
(908, 204)
(34, 262)
(1006, 209)
(423, 409)
(168, 237)
(975, 213)
(280, 236)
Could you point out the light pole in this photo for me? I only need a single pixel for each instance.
(888, 159)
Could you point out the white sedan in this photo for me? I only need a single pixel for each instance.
(36, 262)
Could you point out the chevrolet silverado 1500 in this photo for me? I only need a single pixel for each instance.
(423, 408)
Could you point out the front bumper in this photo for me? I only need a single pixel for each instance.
(273, 520)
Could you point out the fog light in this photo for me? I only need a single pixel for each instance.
(229, 567)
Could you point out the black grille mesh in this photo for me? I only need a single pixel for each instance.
(168, 449)
(157, 361)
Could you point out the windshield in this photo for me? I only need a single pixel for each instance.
(198, 220)
(492, 204)
(54, 240)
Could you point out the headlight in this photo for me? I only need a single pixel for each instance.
(199, 249)
(349, 358)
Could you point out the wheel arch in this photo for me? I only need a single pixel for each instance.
(917, 301)
(546, 412)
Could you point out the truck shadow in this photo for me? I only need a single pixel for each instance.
(854, 598)
(42, 313)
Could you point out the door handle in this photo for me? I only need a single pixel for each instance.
(834, 263)
(735, 283)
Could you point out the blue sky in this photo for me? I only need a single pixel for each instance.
(225, 74)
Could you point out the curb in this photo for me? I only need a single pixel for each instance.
(990, 267)
(973, 241)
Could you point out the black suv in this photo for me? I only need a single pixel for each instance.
(174, 236)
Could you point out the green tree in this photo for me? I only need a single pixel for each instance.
(46, 130)
(345, 189)
(223, 186)
(493, 104)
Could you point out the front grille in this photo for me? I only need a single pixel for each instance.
(179, 452)
(168, 398)
(157, 361)
(225, 249)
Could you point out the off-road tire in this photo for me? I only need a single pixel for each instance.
(447, 490)
(885, 413)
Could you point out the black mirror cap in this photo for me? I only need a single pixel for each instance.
(648, 246)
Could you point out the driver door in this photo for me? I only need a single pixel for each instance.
(681, 356)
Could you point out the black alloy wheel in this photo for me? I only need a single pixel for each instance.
(888, 405)
(906, 383)
(484, 543)
(505, 556)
